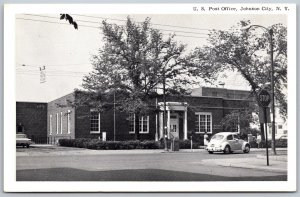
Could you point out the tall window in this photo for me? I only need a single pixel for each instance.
(50, 124)
(203, 122)
(61, 125)
(143, 124)
(56, 123)
(95, 121)
(131, 123)
(68, 122)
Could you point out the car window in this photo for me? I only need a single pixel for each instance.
(217, 137)
(21, 136)
(235, 136)
(229, 137)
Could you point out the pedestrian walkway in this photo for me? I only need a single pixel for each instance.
(276, 163)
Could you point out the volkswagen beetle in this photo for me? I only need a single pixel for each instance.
(227, 142)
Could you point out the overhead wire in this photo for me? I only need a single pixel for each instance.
(54, 22)
(107, 18)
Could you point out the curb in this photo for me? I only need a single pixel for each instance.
(275, 166)
(267, 168)
(273, 157)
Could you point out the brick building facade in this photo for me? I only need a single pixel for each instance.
(31, 118)
(186, 116)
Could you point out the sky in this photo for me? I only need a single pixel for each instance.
(45, 41)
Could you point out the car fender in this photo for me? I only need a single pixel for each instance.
(224, 144)
(244, 145)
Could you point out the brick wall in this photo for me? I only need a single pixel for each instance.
(33, 118)
(82, 125)
(59, 110)
(80, 118)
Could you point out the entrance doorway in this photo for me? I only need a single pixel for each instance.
(174, 125)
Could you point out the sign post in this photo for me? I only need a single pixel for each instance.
(264, 99)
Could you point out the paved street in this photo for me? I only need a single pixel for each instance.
(73, 164)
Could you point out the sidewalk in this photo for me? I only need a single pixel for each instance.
(277, 163)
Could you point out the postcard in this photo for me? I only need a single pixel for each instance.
(149, 97)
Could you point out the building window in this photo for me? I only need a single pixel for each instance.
(61, 125)
(95, 121)
(131, 123)
(215, 94)
(56, 123)
(235, 124)
(143, 124)
(285, 132)
(203, 122)
(50, 124)
(68, 122)
(280, 126)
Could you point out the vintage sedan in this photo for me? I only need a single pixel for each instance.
(23, 140)
(227, 142)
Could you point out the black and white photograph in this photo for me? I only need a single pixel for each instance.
(150, 97)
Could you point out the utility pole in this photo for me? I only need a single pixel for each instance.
(273, 94)
(42, 74)
(270, 32)
(114, 116)
(164, 114)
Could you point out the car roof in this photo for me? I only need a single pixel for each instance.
(227, 133)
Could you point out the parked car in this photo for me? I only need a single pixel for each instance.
(282, 137)
(23, 140)
(227, 142)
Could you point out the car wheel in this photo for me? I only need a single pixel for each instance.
(210, 152)
(247, 149)
(227, 149)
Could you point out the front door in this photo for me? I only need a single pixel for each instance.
(174, 125)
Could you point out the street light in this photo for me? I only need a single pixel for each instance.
(164, 114)
(270, 32)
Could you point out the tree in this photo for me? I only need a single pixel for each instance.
(248, 53)
(242, 118)
(130, 66)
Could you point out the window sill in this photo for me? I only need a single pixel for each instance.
(94, 132)
(139, 133)
(203, 133)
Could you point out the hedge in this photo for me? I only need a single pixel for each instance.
(278, 143)
(108, 145)
(119, 145)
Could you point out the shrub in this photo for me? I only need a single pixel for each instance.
(150, 145)
(66, 142)
(183, 144)
(186, 144)
(109, 145)
(279, 144)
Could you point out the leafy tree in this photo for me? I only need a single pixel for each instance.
(248, 52)
(132, 65)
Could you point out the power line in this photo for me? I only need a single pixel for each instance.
(120, 25)
(105, 18)
(43, 16)
(45, 21)
(95, 27)
(52, 75)
(52, 65)
(54, 72)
